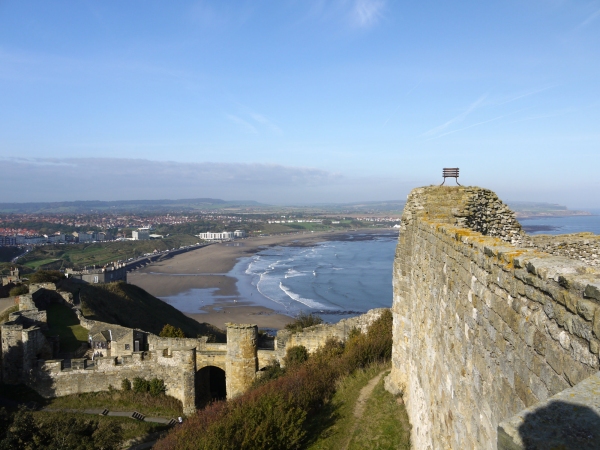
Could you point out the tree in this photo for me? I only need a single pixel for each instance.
(171, 331)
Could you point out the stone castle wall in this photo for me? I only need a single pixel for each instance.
(314, 337)
(584, 247)
(483, 328)
(177, 370)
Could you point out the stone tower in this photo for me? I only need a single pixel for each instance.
(242, 361)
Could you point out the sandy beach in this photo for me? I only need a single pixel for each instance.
(207, 268)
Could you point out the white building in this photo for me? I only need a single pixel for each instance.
(223, 236)
(142, 234)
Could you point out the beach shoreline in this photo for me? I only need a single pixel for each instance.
(208, 268)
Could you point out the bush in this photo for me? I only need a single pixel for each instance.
(303, 321)
(295, 356)
(19, 290)
(157, 387)
(126, 384)
(171, 331)
(271, 372)
(140, 385)
(274, 414)
(46, 276)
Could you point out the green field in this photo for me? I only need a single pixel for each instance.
(99, 253)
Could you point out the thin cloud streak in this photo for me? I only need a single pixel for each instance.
(242, 123)
(264, 121)
(367, 13)
(472, 107)
(592, 17)
(526, 94)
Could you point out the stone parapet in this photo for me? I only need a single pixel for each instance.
(569, 420)
(483, 328)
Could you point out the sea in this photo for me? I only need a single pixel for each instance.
(563, 225)
(342, 277)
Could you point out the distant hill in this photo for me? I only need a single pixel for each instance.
(131, 306)
(119, 206)
(524, 210)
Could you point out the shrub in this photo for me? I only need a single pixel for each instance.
(157, 387)
(302, 321)
(295, 356)
(140, 385)
(19, 290)
(46, 276)
(171, 331)
(274, 414)
(271, 372)
(126, 384)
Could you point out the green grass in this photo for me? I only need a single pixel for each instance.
(131, 428)
(382, 426)
(36, 264)
(79, 255)
(118, 400)
(63, 322)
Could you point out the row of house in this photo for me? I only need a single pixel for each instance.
(222, 236)
(57, 238)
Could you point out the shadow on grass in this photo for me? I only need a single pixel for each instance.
(63, 322)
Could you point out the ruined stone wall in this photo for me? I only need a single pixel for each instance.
(584, 247)
(177, 370)
(29, 317)
(21, 348)
(314, 337)
(483, 328)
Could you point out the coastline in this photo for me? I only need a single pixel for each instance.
(208, 268)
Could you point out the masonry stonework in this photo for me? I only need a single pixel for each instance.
(242, 358)
(483, 327)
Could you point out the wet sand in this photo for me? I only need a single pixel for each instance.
(206, 268)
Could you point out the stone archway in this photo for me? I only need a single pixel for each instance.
(210, 385)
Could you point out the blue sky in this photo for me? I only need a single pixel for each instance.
(299, 101)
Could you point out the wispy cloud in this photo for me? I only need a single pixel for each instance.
(524, 94)
(264, 121)
(366, 13)
(457, 119)
(591, 18)
(246, 126)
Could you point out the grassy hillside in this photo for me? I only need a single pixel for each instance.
(131, 306)
(99, 253)
(8, 253)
